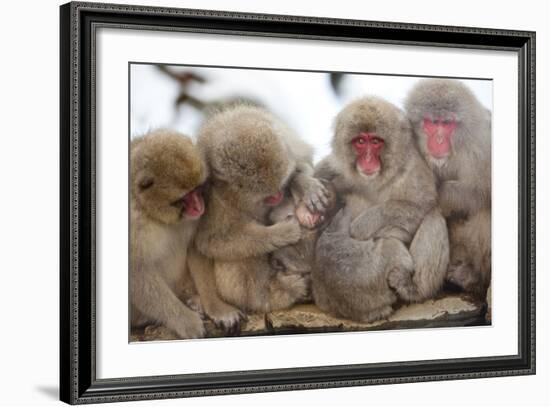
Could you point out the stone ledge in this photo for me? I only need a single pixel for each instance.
(449, 310)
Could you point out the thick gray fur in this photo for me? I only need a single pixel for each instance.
(396, 233)
(463, 178)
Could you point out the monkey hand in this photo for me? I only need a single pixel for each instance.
(316, 196)
(362, 228)
(285, 233)
(306, 218)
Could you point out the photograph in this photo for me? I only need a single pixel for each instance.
(254, 202)
(277, 202)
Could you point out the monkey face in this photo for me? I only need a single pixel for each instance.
(440, 111)
(167, 177)
(371, 138)
(439, 134)
(368, 148)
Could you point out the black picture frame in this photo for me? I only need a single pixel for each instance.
(78, 382)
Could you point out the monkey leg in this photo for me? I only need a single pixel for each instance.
(470, 266)
(155, 301)
(287, 289)
(224, 315)
(253, 286)
(400, 269)
(430, 253)
(349, 279)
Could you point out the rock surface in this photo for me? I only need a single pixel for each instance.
(446, 311)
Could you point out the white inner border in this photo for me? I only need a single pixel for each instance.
(117, 358)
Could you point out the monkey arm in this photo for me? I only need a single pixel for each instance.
(250, 240)
(308, 189)
(395, 218)
(148, 287)
(325, 170)
(458, 198)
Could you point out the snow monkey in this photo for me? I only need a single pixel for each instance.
(166, 175)
(390, 240)
(453, 134)
(299, 257)
(254, 158)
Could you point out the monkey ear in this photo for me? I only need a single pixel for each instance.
(145, 181)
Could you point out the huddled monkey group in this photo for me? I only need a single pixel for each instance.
(242, 221)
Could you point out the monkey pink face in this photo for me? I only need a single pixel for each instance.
(368, 147)
(192, 203)
(274, 200)
(439, 132)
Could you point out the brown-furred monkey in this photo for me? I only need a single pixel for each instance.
(166, 175)
(254, 160)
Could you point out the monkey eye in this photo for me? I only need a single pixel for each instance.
(178, 203)
(376, 141)
(359, 141)
(447, 121)
(146, 183)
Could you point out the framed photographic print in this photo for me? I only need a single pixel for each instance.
(256, 203)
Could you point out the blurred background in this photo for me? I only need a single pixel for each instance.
(166, 96)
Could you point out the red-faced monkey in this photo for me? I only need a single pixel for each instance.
(166, 174)
(453, 134)
(390, 238)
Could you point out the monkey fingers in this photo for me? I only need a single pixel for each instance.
(316, 197)
(308, 219)
(229, 322)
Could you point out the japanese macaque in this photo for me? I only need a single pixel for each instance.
(254, 158)
(298, 258)
(453, 134)
(390, 241)
(166, 175)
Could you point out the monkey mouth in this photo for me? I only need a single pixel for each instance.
(193, 203)
(439, 152)
(274, 200)
(368, 172)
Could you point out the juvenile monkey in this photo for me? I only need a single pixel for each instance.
(390, 235)
(298, 257)
(453, 133)
(166, 174)
(253, 158)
